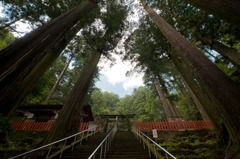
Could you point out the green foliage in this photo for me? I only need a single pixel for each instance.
(6, 38)
(5, 126)
(142, 103)
(230, 70)
(105, 38)
(147, 107)
(39, 92)
(103, 103)
(21, 141)
(34, 12)
(190, 113)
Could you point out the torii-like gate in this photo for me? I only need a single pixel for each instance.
(115, 118)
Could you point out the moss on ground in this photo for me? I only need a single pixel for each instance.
(20, 141)
(191, 145)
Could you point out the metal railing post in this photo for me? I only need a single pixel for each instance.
(105, 150)
(101, 152)
(74, 143)
(81, 138)
(166, 155)
(155, 151)
(137, 134)
(62, 149)
(109, 141)
(49, 151)
(87, 135)
(140, 138)
(149, 149)
(143, 145)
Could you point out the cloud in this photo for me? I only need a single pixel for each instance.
(133, 81)
(117, 73)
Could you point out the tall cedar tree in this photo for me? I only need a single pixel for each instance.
(227, 10)
(57, 81)
(20, 58)
(167, 110)
(219, 87)
(227, 52)
(170, 101)
(101, 42)
(69, 118)
(27, 84)
(197, 93)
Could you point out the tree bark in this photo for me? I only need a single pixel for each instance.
(218, 86)
(227, 10)
(20, 58)
(198, 104)
(10, 103)
(167, 110)
(209, 105)
(170, 101)
(193, 96)
(228, 53)
(185, 96)
(57, 82)
(68, 121)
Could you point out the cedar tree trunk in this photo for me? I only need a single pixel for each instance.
(167, 110)
(69, 119)
(228, 53)
(170, 101)
(218, 85)
(57, 82)
(194, 85)
(228, 10)
(20, 58)
(11, 103)
(209, 106)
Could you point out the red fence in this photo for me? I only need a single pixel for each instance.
(173, 125)
(34, 126)
(43, 126)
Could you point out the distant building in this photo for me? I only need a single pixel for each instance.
(47, 113)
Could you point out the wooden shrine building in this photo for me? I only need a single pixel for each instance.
(47, 113)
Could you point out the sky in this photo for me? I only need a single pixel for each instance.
(114, 79)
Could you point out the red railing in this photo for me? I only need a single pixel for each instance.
(43, 126)
(34, 126)
(173, 125)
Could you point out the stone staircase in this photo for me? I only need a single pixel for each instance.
(85, 150)
(126, 146)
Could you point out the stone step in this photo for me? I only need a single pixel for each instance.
(124, 146)
(85, 150)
